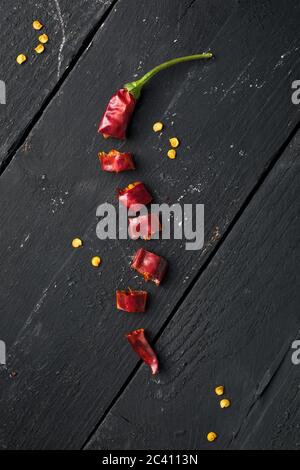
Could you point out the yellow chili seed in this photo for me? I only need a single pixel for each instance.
(225, 403)
(130, 186)
(39, 49)
(219, 390)
(174, 142)
(43, 38)
(158, 126)
(37, 25)
(211, 436)
(77, 243)
(172, 154)
(96, 261)
(21, 58)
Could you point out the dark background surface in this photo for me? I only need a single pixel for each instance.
(227, 314)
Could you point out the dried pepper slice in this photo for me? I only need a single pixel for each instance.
(115, 162)
(135, 194)
(143, 349)
(143, 226)
(151, 266)
(133, 301)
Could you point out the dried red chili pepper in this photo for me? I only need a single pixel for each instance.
(133, 301)
(119, 110)
(143, 226)
(151, 266)
(135, 194)
(143, 349)
(115, 161)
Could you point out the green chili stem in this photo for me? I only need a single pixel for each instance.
(135, 87)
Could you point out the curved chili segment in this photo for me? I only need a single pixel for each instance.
(117, 115)
(151, 266)
(133, 301)
(144, 226)
(135, 194)
(143, 349)
(115, 161)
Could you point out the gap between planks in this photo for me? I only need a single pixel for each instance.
(205, 265)
(82, 49)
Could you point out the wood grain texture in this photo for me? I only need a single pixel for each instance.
(235, 329)
(29, 87)
(64, 336)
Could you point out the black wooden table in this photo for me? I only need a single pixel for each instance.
(227, 314)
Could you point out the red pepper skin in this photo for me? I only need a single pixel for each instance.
(143, 349)
(133, 301)
(146, 225)
(117, 115)
(149, 265)
(115, 162)
(137, 196)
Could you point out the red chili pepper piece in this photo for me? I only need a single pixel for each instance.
(144, 226)
(136, 194)
(115, 161)
(133, 301)
(143, 349)
(153, 267)
(117, 115)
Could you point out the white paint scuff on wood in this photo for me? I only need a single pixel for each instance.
(63, 41)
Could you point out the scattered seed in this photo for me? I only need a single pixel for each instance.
(37, 25)
(158, 126)
(43, 38)
(39, 49)
(211, 436)
(225, 403)
(174, 142)
(21, 58)
(219, 390)
(77, 243)
(96, 261)
(172, 154)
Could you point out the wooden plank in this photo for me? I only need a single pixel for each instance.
(273, 422)
(30, 87)
(64, 337)
(235, 329)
